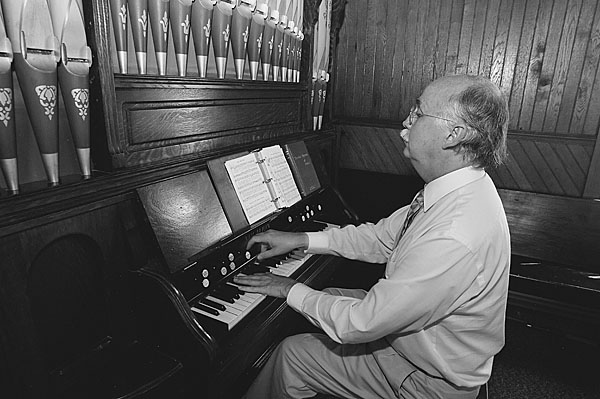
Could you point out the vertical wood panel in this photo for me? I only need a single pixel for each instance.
(466, 36)
(381, 51)
(534, 69)
(454, 36)
(522, 63)
(489, 37)
(501, 43)
(360, 66)
(590, 66)
(562, 65)
(544, 54)
(576, 62)
(512, 47)
(340, 72)
(431, 37)
(442, 44)
(409, 54)
(385, 95)
(393, 98)
(477, 37)
(422, 16)
(592, 117)
(352, 14)
(371, 43)
(550, 50)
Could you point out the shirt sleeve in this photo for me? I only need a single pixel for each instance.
(372, 243)
(415, 295)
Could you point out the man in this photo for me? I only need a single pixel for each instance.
(431, 327)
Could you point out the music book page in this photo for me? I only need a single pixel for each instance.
(249, 184)
(279, 172)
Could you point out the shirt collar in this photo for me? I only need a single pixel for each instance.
(438, 188)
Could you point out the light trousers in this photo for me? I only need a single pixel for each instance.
(306, 364)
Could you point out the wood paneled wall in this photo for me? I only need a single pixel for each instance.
(543, 54)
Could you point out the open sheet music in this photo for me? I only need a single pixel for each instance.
(263, 182)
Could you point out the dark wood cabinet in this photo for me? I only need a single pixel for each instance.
(70, 318)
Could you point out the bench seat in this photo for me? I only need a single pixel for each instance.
(556, 281)
(555, 264)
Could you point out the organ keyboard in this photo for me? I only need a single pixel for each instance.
(193, 309)
(228, 304)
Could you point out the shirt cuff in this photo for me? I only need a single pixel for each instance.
(317, 241)
(296, 296)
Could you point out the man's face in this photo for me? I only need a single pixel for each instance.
(427, 126)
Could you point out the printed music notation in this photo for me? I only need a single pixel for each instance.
(250, 186)
(263, 182)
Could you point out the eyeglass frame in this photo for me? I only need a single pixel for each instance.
(413, 116)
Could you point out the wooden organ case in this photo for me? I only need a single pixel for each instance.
(100, 277)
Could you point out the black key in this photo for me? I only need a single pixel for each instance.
(229, 290)
(207, 309)
(213, 304)
(234, 288)
(223, 296)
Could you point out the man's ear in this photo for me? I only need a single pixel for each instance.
(457, 135)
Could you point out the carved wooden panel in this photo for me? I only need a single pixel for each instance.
(161, 119)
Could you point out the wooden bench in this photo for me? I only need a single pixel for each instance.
(555, 265)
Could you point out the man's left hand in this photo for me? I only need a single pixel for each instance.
(266, 283)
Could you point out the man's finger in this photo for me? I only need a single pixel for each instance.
(252, 288)
(256, 239)
(255, 279)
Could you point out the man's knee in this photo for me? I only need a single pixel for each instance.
(301, 351)
(295, 346)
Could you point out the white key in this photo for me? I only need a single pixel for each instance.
(289, 266)
(227, 305)
(234, 315)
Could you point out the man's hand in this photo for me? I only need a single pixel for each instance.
(265, 283)
(275, 243)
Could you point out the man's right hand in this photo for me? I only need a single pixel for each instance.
(273, 243)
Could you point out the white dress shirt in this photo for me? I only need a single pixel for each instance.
(442, 302)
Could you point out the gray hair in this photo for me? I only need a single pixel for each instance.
(483, 107)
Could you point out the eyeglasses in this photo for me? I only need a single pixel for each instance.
(416, 113)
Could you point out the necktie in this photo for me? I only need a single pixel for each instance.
(415, 206)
